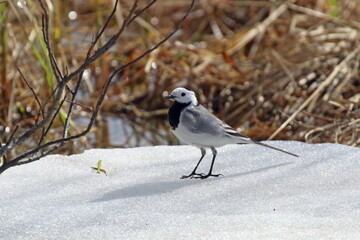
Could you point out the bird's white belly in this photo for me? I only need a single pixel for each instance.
(199, 140)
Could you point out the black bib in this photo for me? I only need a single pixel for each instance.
(174, 113)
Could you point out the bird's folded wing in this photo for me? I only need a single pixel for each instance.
(199, 120)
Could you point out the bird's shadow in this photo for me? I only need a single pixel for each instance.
(155, 188)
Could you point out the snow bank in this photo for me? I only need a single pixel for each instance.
(263, 194)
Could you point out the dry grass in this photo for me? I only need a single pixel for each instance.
(276, 70)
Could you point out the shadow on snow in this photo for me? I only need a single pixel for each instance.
(155, 188)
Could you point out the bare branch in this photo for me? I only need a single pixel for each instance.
(17, 162)
(62, 84)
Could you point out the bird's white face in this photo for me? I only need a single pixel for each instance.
(182, 95)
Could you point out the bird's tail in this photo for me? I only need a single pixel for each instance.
(278, 149)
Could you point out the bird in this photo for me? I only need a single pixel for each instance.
(194, 125)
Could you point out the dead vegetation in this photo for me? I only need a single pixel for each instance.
(275, 70)
(281, 70)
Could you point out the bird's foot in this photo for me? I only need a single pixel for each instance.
(192, 175)
(203, 176)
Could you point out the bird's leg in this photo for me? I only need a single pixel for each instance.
(193, 173)
(211, 167)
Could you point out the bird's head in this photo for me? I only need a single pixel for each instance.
(182, 95)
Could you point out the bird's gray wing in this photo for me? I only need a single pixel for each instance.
(199, 120)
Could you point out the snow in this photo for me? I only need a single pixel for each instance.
(264, 194)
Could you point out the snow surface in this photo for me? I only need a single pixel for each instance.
(263, 194)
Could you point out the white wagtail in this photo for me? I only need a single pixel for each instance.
(195, 125)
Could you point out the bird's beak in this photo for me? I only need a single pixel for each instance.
(170, 97)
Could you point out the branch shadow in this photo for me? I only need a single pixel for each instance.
(155, 188)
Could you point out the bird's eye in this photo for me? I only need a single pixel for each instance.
(183, 94)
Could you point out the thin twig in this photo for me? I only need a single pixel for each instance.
(280, 60)
(32, 90)
(79, 104)
(41, 110)
(45, 30)
(12, 135)
(42, 107)
(53, 118)
(102, 30)
(72, 102)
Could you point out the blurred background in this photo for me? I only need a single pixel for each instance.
(254, 64)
